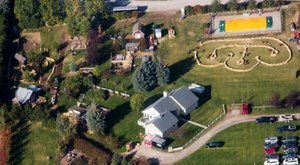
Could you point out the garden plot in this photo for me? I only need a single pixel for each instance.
(243, 55)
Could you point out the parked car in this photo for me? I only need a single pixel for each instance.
(287, 128)
(272, 156)
(291, 150)
(271, 139)
(271, 162)
(267, 145)
(290, 139)
(285, 118)
(216, 144)
(246, 108)
(270, 150)
(290, 161)
(289, 145)
(289, 155)
(267, 119)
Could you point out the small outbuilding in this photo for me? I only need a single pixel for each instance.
(158, 33)
(138, 30)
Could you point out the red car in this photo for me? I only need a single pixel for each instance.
(270, 150)
(246, 108)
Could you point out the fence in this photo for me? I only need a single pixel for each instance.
(111, 91)
(170, 149)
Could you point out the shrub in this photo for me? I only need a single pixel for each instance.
(73, 67)
(197, 9)
(122, 15)
(189, 10)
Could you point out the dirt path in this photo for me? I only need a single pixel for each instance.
(230, 119)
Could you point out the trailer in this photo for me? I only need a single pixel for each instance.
(286, 118)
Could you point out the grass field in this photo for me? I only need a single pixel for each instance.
(243, 145)
(42, 143)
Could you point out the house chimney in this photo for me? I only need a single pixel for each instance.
(165, 93)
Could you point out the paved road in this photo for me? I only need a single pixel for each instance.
(174, 4)
(170, 158)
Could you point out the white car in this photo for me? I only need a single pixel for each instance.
(291, 161)
(272, 162)
(271, 139)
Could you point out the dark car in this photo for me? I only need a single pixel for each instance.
(216, 144)
(291, 150)
(267, 119)
(267, 145)
(290, 139)
(272, 156)
(287, 128)
(289, 155)
(289, 144)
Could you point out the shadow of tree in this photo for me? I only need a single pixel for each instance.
(116, 115)
(152, 99)
(180, 68)
(19, 141)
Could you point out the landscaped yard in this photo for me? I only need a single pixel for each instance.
(42, 143)
(243, 145)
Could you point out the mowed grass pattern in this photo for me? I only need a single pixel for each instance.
(42, 143)
(243, 145)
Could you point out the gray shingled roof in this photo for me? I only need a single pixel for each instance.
(184, 97)
(164, 104)
(166, 122)
(137, 26)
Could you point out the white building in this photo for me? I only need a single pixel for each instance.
(160, 118)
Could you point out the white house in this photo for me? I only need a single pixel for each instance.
(160, 118)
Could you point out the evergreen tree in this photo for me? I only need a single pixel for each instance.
(216, 6)
(144, 77)
(116, 159)
(252, 4)
(53, 11)
(95, 7)
(28, 13)
(233, 5)
(162, 73)
(95, 119)
(5, 6)
(63, 126)
(2, 40)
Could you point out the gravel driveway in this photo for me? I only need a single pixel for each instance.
(174, 4)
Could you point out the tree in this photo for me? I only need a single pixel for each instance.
(64, 126)
(95, 119)
(292, 99)
(275, 100)
(5, 6)
(53, 11)
(232, 5)
(28, 13)
(144, 77)
(73, 67)
(95, 7)
(162, 73)
(252, 4)
(76, 84)
(116, 159)
(137, 102)
(216, 6)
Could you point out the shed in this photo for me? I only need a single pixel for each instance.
(158, 33)
(159, 142)
(20, 58)
(22, 95)
(138, 30)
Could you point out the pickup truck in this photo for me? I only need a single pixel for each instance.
(287, 128)
(285, 118)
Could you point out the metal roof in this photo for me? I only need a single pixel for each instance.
(184, 97)
(125, 8)
(164, 123)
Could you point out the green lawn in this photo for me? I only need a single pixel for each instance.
(42, 143)
(243, 145)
